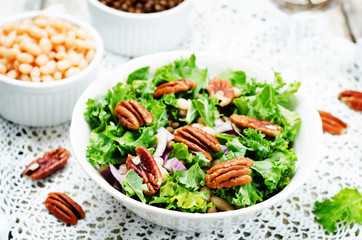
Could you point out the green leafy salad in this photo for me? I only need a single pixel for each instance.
(183, 168)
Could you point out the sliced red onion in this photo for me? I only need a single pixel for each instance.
(166, 154)
(232, 132)
(106, 174)
(224, 127)
(116, 173)
(223, 147)
(175, 164)
(218, 122)
(117, 185)
(163, 136)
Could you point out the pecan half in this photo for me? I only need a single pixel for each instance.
(266, 127)
(146, 169)
(64, 208)
(331, 123)
(352, 98)
(132, 115)
(49, 163)
(222, 90)
(181, 85)
(197, 140)
(229, 174)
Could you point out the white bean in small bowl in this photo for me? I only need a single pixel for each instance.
(46, 61)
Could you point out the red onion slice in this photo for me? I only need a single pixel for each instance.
(116, 174)
(162, 141)
(175, 164)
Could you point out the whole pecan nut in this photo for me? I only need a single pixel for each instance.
(197, 140)
(181, 85)
(332, 124)
(49, 163)
(147, 169)
(132, 115)
(222, 90)
(229, 174)
(64, 208)
(266, 127)
(352, 98)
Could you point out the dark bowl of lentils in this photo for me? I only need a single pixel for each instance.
(141, 6)
(137, 27)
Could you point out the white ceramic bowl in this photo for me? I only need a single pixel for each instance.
(307, 144)
(136, 34)
(48, 103)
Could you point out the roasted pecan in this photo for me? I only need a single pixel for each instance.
(181, 85)
(147, 168)
(132, 115)
(229, 174)
(266, 127)
(197, 140)
(352, 98)
(222, 90)
(332, 124)
(49, 163)
(64, 208)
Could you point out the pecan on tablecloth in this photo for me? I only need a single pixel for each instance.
(49, 163)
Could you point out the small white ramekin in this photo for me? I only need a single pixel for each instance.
(136, 34)
(48, 103)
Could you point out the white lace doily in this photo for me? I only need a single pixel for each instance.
(250, 29)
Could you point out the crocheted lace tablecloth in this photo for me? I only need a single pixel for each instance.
(250, 29)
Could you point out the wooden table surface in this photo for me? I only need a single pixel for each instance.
(345, 19)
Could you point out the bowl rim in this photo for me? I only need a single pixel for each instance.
(282, 195)
(66, 81)
(119, 13)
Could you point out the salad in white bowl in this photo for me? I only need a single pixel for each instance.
(176, 137)
(196, 127)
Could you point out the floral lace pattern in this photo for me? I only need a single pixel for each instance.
(249, 29)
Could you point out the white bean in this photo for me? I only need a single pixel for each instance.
(182, 103)
(61, 56)
(33, 49)
(47, 78)
(35, 79)
(41, 22)
(57, 39)
(45, 45)
(25, 77)
(90, 55)
(41, 60)
(64, 65)
(11, 53)
(70, 39)
(35, 72)
(71, 71)
(25, 58)
(12, 74)
(221, 204)
(83, 64)
(57, 75)
(25, 68)
(2, 69)
(49, 68)
(80, 44)
(37, 32)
